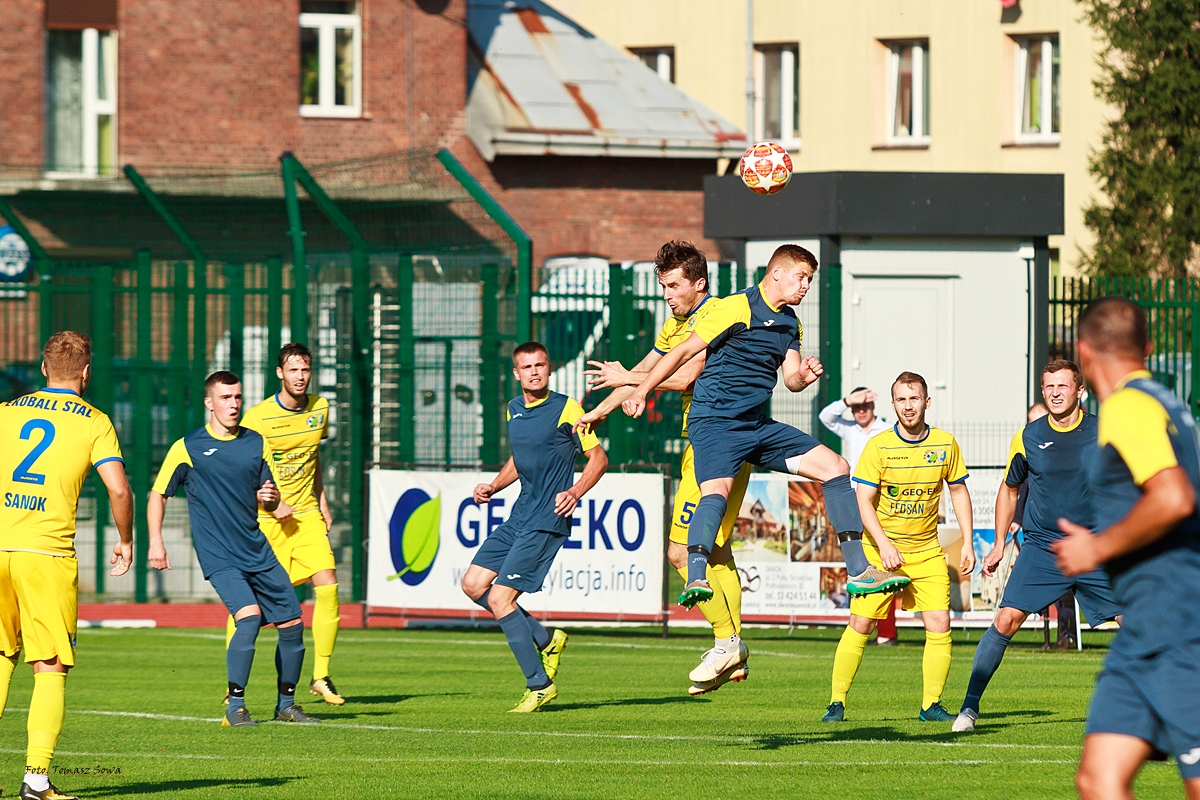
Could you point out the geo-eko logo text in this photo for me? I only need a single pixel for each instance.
(414, 534)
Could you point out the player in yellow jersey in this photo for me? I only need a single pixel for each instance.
(49, 441)
(294, 423)
(900, 477)
(682, 271)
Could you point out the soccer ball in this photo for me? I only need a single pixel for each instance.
(765, 168)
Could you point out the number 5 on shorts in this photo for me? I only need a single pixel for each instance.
(685, 517)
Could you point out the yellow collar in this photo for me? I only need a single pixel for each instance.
(1071, 427)
(763, 295)
(1133, 376)
(213, 434)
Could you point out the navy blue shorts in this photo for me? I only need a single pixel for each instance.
(1036, 582)
(270, 589)
(1153, 698)
(721, 445)
(520, 560)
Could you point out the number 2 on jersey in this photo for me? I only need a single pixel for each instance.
(22, 474)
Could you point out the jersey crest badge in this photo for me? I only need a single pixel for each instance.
(316, 421)
(935, 456)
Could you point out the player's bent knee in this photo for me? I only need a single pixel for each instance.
(863, 625)
(1009, 620)
(290, 623)
(247, 611)
(677, 555)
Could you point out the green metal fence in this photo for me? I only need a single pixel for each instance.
(400, 273)
(1173, 315)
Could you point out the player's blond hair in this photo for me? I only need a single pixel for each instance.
(791, 255)
(66, 354)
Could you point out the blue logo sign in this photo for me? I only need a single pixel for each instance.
(414, 533)
(14, 256)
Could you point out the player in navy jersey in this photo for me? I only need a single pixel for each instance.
(1049, 458)
(1144, 478)
(515, 558)
(749, 336)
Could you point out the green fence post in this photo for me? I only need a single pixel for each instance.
(235, 286)
(621, 431)
(199, 340)
(274, 319)
(298, 321)
(1194, 394)
(725, 285)
(178, 387)
(101, 395)
(407, 357)
(511, 228)
(143, 422)
(830, 345)
(490, 399)
(360, 269)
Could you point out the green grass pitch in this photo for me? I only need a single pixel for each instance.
(426, 718)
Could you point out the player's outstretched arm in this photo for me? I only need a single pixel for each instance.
(800, 372)
(156, 509)
(1006, 508)
(960, 498)
(1167, 499)
(865, 493)
(505, 477)
(665, 368)
(683, 380)
(597, 464)
(120, 498)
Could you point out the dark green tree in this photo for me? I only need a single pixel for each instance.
(1149, 166)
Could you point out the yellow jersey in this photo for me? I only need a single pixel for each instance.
(674, 331)
(49, 440)
(293, 437)
(909, 478)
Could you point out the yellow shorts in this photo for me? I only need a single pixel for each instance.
(301, 544)
(929, 590)
(39, 606)
(689, 495)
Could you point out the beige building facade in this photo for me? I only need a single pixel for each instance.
(888, 85)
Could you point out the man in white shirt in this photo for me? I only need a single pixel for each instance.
(854, 435)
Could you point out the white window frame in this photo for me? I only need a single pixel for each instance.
(92, 106)
(919, 137)
(1020, 66)
(326, 26)
(789, 112)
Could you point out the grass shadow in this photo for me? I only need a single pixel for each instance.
(126, 789)
(389, 699)
(632, 701)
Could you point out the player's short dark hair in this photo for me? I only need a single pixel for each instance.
(529, 347)
(66, 354)
(221, 377)
(793, 254)
(678, 254)
(1114, 325)
(910, 379)
(1058, 365)
(294, 350)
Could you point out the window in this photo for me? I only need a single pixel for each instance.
(81, 101)
(330, 59)
(777, 93)
(659, 59)
(908, 93)
(1038, 112)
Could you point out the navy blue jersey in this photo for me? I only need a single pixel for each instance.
(747, 343)
(544, 445)
(1143, 430)
(222, 475)
(1052, 464)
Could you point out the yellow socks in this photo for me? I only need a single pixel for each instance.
(935, 666)
(46, 710)
(7, 666)
(731, 590)
(326, 617)
(846, 662)
(716, 610)
(230, 629)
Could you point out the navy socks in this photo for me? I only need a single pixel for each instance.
(987, 660)
(702, 532)
(842, 507)
(541, 636)
(520, 641)
(239, 656)
(289, 658)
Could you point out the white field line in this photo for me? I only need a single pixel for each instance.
(550, 761)
(799, 739)
(914, 656)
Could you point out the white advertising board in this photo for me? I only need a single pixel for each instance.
(425, 529)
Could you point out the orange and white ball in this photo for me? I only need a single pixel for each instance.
(765, 168)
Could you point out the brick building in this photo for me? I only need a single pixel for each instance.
(94, 84)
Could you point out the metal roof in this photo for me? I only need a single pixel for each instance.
(542, 85)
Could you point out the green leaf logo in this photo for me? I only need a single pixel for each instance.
(415, 529)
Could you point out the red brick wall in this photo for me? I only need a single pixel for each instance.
(618, 208)
(22, 40)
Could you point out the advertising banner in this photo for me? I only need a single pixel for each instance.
(425, 529)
